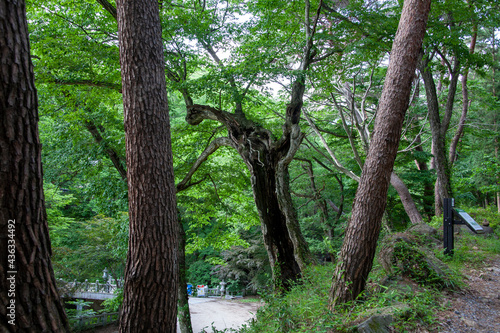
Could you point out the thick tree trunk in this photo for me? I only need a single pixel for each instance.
(29, 301)
(268, 160)
(277, 241)
(358, 249)
(151, 276)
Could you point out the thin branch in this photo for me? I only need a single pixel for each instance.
(215, 187)
(323, 165)
(349, 132)
(212, 147)
(327, 55)
(189, 184)
(336, 162)
(365, 96)
(113, 155)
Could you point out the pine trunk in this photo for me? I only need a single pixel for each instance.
(29, 300)
(151, 275)
(358, 249)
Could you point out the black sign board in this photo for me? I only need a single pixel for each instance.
(452, 216)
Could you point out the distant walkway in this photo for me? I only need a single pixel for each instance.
(91, 295)
(87, 290)
(222, 313)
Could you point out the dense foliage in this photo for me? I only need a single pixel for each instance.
(225, 52)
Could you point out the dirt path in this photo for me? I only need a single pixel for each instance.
(220, 313)
(477, 307)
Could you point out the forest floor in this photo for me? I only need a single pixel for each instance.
(476, 307)
(210, 312)
(473, 308)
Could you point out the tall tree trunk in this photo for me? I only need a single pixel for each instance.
(440, 161)
(268, 159)
(29, 301)
(358, 249)
(151, 275)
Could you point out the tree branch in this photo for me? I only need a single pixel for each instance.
(335, 161)
(212, 147)
(112, 154)
(109, 8)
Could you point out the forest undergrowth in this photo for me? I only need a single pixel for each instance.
(465, 300)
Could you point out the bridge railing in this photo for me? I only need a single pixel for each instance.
(87, 322)
(69, 288)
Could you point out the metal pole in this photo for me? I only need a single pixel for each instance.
(448, 226)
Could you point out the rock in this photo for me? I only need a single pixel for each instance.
(423, 229)
(376, 324)
(493, 269)
(469, 322)
(489, 231)
(403, 256)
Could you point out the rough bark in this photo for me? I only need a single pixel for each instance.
(277, 240)
(358, 249)
(151, 275)
(29, 301)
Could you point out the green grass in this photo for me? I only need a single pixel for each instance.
(414, 303)
(305, 307)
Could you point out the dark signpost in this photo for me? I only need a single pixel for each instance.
(452, 216)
